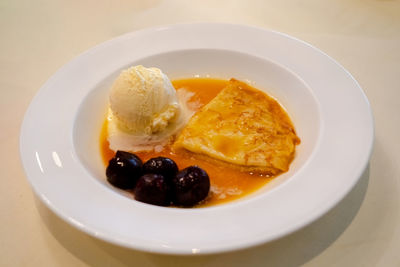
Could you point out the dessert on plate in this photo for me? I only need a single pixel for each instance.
(145, 110)
(193, 142)
(244, 127)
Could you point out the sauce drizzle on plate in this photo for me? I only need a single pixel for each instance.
(227, 183)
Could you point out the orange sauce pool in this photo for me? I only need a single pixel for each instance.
(227, 184)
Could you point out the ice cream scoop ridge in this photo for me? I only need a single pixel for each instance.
(143, 100)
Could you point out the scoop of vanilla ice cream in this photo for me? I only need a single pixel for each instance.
(143, 100)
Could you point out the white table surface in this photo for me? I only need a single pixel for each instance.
(38, 37)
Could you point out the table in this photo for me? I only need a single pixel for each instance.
(38, 37)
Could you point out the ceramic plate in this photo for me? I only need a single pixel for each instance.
(59, 142)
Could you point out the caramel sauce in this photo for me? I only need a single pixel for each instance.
(227, 183)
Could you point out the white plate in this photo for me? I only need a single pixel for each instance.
(59, 141)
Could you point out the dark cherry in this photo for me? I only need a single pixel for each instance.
(153, 189)
(190, 186)
(124, 169)
(161, 165)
